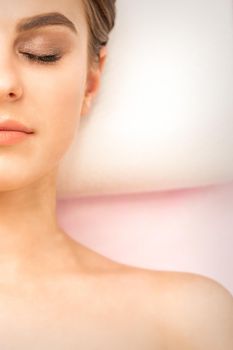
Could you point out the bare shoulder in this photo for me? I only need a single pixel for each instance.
(192, 311)
(196, 311)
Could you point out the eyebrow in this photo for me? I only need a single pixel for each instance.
(46, 19)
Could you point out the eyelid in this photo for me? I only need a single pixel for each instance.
(41, 54)
(48, 48)
(43, 40)
(37, 47)
(35, 53)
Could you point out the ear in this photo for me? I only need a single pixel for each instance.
(93, 81)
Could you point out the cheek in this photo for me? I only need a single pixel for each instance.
(60, 105)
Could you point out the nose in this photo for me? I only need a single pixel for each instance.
(10, 86)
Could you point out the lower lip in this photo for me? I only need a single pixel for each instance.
(12, 137)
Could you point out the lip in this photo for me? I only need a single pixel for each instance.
(12, 137)
(13, 125)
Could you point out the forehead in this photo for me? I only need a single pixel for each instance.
(15, 11)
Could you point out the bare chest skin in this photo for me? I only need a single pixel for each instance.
(88, 314)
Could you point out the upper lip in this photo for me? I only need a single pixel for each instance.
(13, 125)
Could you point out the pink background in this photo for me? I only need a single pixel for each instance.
(184, 230)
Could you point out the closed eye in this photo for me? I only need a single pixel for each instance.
(43, 59)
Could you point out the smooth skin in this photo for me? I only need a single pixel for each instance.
(54, 292)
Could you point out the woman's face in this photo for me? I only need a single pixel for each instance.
(47, 97)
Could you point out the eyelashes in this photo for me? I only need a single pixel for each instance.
(42, 59)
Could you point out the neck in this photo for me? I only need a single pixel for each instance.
(30, 238)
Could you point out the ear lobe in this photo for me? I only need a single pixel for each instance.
(86, 105)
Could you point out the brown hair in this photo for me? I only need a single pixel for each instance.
(100, 16)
